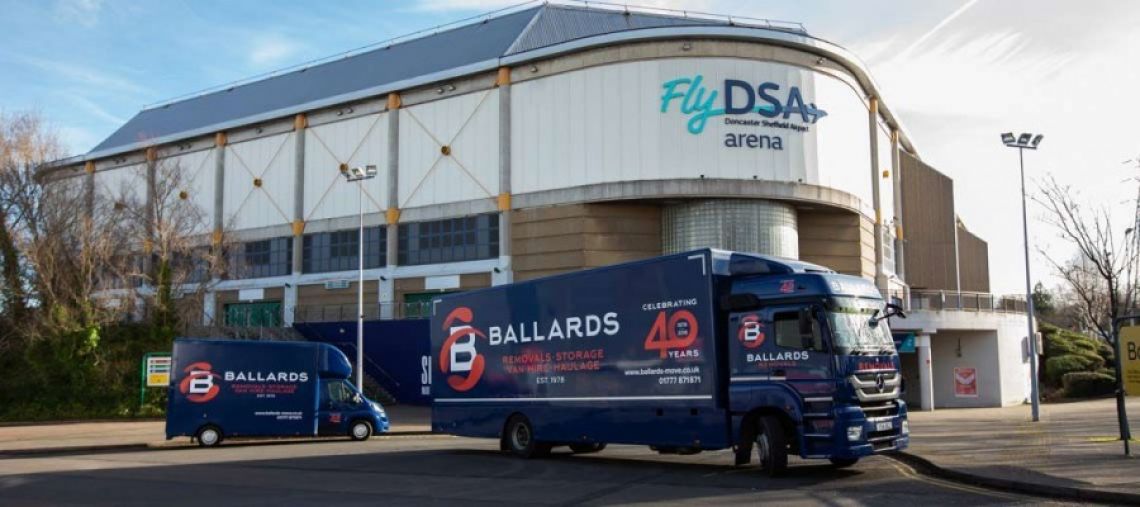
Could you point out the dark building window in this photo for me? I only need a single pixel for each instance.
(449, 240)
(337, 251)
(259, 259)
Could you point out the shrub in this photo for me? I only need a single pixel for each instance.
(1086, 383)
(1057, 367)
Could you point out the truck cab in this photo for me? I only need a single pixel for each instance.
(813, 354)
(341, 409)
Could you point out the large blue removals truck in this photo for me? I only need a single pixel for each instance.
(225, 388)
(695, 351)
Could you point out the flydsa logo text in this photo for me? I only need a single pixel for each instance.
(774, 105)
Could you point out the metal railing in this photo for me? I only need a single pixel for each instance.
(948, 300)
(375, 311)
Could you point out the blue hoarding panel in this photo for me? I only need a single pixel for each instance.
(396, 353)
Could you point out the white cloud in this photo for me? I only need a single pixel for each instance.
(93, 108)
(82, 12)
(272, 50)
(79, 74)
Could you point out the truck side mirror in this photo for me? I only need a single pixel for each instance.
(356, 398)
(893, 310)
(805, 322)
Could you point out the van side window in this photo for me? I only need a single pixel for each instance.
(787, 328)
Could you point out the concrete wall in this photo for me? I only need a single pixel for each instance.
(558, 239)
(928, 214)
(975, 349)
(974, 261)
(843, 241)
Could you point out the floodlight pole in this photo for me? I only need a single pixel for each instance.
(1029, 295)
(1022, 143)
(360, 290)
(358, 175)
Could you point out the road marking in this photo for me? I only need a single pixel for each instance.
(909, 472)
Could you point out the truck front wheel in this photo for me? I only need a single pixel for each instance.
(360, 430)
(587, 448)
(772, 446)
(209, 436)
(844, 462)
(520, 440)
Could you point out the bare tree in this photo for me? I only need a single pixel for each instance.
(1103, 275)
(25, 143)
(184, 260)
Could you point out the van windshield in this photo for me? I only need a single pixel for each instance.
(853, 330)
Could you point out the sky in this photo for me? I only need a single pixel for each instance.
(957, 73)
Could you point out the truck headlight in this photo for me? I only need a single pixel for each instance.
(905, 427)
(854, 433)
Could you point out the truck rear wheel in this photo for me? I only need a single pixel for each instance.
(209, 436)
(360, 430)
(587, 448)
(519, 436)
(772, 446)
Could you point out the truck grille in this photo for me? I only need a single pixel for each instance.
(876, 386)
(879, 409)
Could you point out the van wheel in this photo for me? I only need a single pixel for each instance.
(519, 437)
(360, 430)
(843, 462)
(587, 448)
(209, 436)
(772, 446)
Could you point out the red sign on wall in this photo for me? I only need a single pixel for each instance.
(966, 382)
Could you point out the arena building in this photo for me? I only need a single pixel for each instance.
(558, 137)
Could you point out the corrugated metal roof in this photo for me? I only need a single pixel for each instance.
(508, 34)
(557, 25)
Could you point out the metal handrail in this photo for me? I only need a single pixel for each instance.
(969, 301)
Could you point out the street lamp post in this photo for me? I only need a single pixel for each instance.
(1027, 141)
(358, 175)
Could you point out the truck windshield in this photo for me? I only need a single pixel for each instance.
(852, 328)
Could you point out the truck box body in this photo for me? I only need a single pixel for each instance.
(587, 353)
(662, 352)
(258, 388)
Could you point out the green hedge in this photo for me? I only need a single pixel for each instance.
(1086, 383)
(81, 375)
(1057, 367)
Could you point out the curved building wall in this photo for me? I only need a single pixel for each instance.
(668, 118)
(752, 225)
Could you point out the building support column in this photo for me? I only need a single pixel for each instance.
(387, 285)
(504, 273)
(876, 198)
(925, 371)
(300, 123)
(896, 181)
(209, 310)
(149, 210)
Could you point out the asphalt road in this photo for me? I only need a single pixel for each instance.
(427, 470)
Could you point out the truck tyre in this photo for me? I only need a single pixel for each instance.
(772, 446)
(843, 462)
(209, 436)
(587, 448)
(360, 430)
(520, 440)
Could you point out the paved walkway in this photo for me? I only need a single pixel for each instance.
(1075, 445)
(78, 436)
